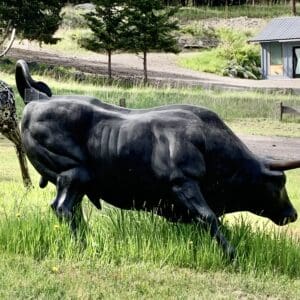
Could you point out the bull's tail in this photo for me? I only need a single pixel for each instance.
(29, 89)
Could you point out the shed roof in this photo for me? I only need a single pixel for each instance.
(279, 29)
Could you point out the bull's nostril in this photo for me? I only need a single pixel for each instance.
(295, 217)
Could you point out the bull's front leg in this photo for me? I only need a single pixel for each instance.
(71, 186)
(188, 195)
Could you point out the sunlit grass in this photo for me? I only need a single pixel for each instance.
(205, 61)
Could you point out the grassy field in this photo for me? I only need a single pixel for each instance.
(129, 255)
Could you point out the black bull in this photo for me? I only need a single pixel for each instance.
(180, 161)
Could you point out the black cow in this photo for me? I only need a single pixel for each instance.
(179, 161)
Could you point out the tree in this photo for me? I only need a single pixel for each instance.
(106, 25)
(33, 20)
(150, 26)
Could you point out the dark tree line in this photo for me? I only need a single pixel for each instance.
(210, 3)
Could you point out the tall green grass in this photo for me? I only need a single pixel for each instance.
(28, 228)
(122, 237)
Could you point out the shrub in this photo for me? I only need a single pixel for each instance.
(233, 57)
(243, 58)
(196, 29)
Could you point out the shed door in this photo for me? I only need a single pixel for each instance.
(296, 62)
(276, 66)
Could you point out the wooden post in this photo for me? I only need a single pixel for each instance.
(294, 11)
(281, 111)
(122, 102)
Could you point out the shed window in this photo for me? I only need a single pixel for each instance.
(276, 54)
(276, 67)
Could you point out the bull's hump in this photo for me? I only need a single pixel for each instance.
(177, 115)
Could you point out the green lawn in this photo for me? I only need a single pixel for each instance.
(204, 61)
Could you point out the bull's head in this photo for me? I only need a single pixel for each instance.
(276, 203)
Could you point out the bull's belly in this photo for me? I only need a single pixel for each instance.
(163, 207)
(129, 196)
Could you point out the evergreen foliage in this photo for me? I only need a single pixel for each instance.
(132, 25)
(150, 26)
(106, 23)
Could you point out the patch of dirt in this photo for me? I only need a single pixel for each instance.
(273, 147)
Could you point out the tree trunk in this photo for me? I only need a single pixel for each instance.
(109, 65)
(145, 68)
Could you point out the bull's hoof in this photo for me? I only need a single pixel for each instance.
(64, 213)
(43, 182)
(230, 253)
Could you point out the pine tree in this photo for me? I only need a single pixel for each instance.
(106, 25)
(150, 26)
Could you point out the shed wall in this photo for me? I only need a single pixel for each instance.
(287, 53)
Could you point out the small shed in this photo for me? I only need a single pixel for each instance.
(280, 48)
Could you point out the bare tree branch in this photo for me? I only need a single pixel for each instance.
(11, 41)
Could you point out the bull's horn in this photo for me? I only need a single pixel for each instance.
(283, 165)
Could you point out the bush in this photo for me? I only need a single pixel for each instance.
(243, 58)
(233, 57)
(234, 69)
(196, 29)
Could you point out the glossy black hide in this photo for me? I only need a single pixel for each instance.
(179, 161)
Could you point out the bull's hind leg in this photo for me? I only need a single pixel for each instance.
(189, 198)
(71, 186)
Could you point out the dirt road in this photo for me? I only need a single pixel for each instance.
(275, 147)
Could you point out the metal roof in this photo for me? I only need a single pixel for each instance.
(279, 29)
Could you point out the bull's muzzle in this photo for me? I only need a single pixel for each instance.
(287, 217)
